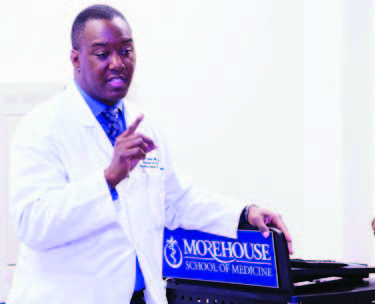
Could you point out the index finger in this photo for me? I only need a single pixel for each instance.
(259, 222)
(131, 129)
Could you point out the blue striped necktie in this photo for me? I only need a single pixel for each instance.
(112, 129)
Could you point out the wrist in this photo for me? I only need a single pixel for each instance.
(248, 211)
(111, 180)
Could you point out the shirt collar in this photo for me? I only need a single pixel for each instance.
(96, 106)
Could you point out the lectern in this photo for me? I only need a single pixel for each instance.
(205, 268)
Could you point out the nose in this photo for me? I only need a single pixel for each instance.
(116, 63)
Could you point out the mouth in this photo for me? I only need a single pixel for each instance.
(117, 81)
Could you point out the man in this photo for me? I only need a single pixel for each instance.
(88, 208)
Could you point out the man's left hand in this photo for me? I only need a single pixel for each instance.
(261, 218)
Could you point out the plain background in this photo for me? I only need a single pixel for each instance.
(270, 101)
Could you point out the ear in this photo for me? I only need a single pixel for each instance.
(74, 57)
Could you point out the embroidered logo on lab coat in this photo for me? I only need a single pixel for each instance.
(151, 163)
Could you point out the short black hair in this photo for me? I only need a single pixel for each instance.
(94, 12)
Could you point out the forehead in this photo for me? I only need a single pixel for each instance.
(106, 31)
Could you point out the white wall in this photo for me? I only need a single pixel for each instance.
(338, 97)
(358, 114)
(322, 101)
(263, 100)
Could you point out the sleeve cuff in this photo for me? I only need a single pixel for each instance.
(113, 192)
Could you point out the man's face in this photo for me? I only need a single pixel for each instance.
(104, 63)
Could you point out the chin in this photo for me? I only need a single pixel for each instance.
(116, 96)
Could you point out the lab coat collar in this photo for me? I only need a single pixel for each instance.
(79, 111)
(78, 108)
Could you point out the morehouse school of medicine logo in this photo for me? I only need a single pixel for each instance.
(173, 253)
(249, 259)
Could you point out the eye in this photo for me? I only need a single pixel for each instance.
(102, 56)
(126, 52)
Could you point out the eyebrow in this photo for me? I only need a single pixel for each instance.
(102, 44)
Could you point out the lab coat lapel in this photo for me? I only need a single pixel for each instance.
(77, 107)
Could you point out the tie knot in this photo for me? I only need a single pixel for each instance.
(111, 114)
(112, 128)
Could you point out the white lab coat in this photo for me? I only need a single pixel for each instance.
(77, 245)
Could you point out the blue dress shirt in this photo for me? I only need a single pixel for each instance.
(97, 109)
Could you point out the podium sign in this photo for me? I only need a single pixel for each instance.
(194, 255)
